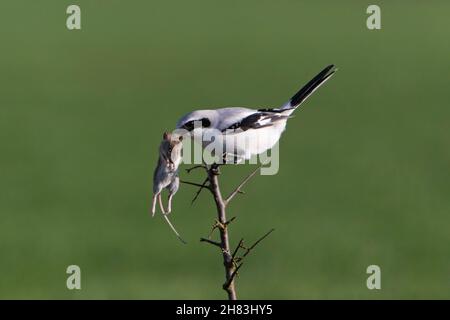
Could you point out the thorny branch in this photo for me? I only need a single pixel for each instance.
(231, 261)
(238, 261)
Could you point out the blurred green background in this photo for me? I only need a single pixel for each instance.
(364, 173)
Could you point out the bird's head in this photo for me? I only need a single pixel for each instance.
(195, 121)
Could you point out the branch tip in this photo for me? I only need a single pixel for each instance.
(188, 170)
(203, 185)
(238, 188)
(215, 243)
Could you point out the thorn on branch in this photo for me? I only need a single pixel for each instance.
(214, 227)
(195, 184)
(215, 243)
(238, 189)
(235, 259)
(241, 242)
(227, 284)
(188, 170)
(200, 190)
(229, 221)
(256, 243)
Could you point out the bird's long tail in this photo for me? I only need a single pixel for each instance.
(309, 88)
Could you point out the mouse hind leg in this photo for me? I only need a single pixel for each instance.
(155, 196)
(157, 189)
(173, 188)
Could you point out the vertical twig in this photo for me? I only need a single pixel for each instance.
(231, 261)
(223, 229)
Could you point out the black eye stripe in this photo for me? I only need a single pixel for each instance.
(191, 124)
(205, 122)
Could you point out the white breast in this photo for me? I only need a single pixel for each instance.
(245, 144)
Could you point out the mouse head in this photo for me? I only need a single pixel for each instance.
(170, 148)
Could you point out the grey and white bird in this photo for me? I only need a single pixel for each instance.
(249, 131)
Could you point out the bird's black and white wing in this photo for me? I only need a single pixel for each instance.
(256, 120)
(227, 117)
